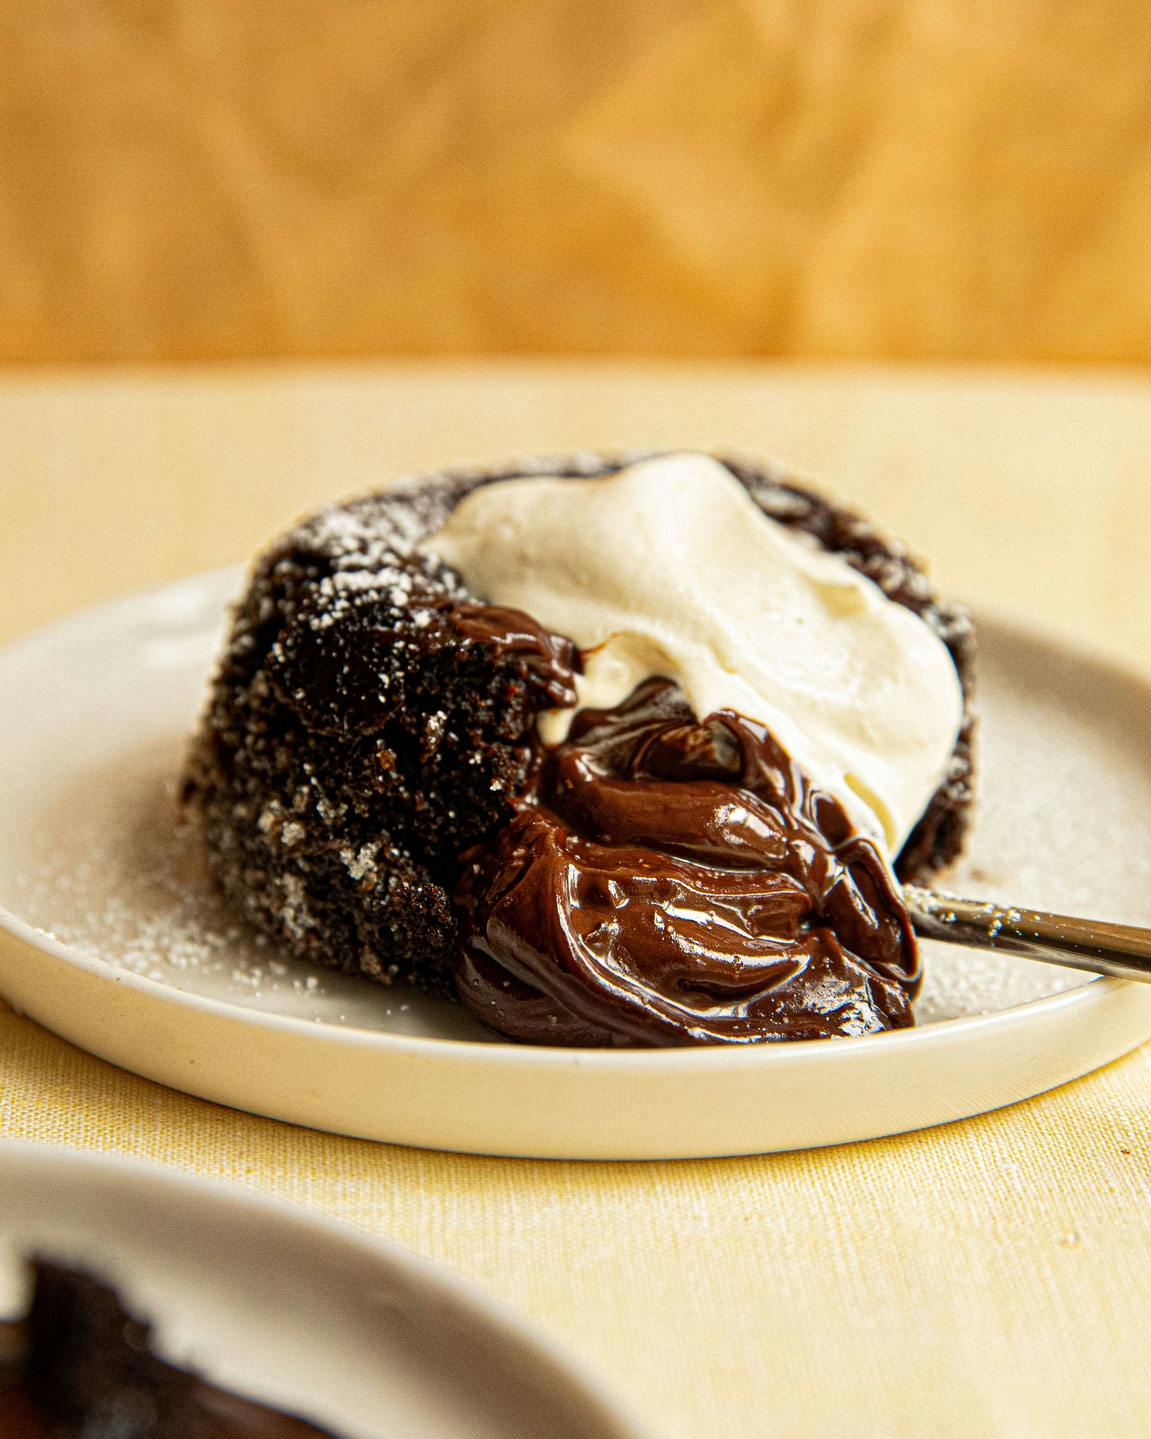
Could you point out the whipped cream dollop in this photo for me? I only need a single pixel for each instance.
(668, 568)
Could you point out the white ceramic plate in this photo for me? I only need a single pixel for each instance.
(112, 938)
(298, 1311)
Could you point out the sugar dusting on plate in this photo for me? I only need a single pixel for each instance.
(113, 869)
(98, 858)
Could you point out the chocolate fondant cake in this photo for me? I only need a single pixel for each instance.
(79, 1366)
(375, 795)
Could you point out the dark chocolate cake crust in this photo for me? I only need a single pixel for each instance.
(356, 739)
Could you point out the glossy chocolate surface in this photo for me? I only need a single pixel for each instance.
(669, 881)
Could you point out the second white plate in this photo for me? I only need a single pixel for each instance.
(110, 936)
(291, 1309)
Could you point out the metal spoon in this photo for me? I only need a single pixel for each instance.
(1123, 950)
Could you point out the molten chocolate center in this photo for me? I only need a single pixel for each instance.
(667, 880)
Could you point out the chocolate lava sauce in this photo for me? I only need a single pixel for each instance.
(667, 880)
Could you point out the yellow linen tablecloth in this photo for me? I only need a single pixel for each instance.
(990, 1277)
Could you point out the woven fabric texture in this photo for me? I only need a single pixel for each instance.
(987, 1278)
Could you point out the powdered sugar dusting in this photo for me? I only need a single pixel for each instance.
(110, 868)
(91, 851)
(372, 548)
(1064, 820)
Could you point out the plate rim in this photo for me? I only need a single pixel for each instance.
(511, 1054)
(510, 1324)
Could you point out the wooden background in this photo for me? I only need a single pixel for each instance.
(959, 179)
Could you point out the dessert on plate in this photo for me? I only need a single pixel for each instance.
(79, 1365)
(619, 750)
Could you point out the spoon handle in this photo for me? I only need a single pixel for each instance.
(1123, 950)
